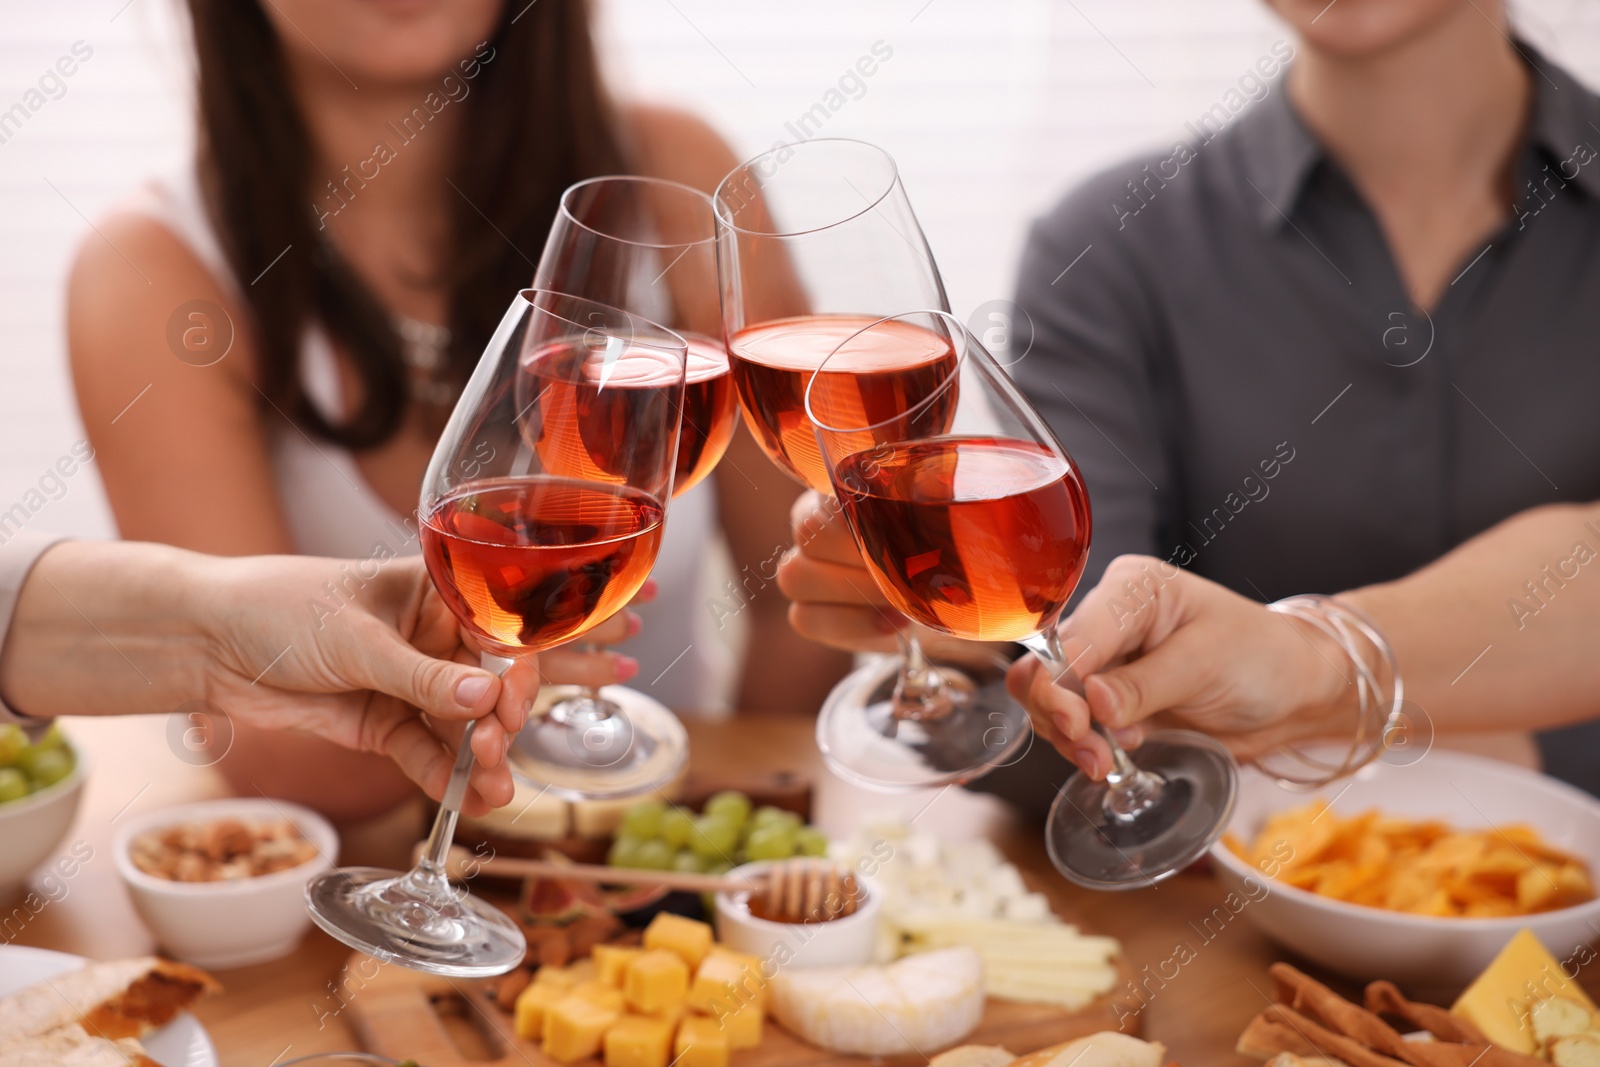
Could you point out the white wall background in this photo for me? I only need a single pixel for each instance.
(991, 106)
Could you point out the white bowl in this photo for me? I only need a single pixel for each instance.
(235, 923)
(1422, 951)
(835, 943)
(33, 827)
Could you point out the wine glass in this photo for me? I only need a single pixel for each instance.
(646, 246)
(816, 241)
(530, 548)
(974, 521)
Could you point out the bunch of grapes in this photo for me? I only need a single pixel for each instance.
(26, 768)
(662, 836)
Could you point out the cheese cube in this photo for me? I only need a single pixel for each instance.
(700, 1043)
(639, 1041)
(742, 1027)
(532, 1003)
(1499, 1001)
(575, 1027)
(556, 977)
(655, 980)
(727, 981)
(599, 994)
(690, 939)
(612, 962)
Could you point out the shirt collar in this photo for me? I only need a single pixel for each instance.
(1279, 152)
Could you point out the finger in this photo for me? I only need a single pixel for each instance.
(823, 534)
(615, 630)
(420, 755)
(1173, 675)
(807, 580)
(1132, 604)
(382, 661)
(492, 785)
(570, 665)
(853, 629)
(519, 686)
(647, 592)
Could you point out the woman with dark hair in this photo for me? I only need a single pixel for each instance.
(294, 315)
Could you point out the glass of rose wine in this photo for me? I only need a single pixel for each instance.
(529, 547)
(974, 521)
(646, 246)
(816, 241)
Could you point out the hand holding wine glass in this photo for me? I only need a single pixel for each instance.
(529, 544)
(974, 521)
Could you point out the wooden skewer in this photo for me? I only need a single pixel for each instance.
(793, 890)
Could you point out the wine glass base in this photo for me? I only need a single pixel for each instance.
(636, 746)
(863, 741)
(417, 922)
(1093, 847)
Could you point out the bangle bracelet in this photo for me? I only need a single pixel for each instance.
(1379, 692)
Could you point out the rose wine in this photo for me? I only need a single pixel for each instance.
(527, 563)
(887, 371)
(981, 537)
(600, 414)
(710, 412)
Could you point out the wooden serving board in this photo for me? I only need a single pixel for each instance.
(445, 1022)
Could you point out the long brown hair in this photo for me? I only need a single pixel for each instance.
(537, 120)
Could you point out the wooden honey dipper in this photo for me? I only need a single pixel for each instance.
(788, 891)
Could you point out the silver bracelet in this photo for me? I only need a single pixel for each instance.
(1376, 716)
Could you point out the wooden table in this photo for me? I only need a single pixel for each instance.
(284, 1009)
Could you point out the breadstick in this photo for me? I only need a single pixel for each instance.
(1326, 1042)
(1385, 997)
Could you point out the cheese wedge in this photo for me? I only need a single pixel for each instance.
(1500, 1001)
(919, 1004)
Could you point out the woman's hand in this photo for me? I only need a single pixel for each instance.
(833, 599)
(282, 656)
(1155, 644)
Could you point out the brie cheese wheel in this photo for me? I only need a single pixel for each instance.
(919, 1004)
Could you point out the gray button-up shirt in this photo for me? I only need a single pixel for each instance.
(1224, 343)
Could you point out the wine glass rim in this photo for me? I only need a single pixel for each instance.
(957, 329)
(670, 341)
(566, 209)
(724, 220)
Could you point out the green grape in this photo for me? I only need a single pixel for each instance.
(50, 766)
(719, 866)
(768, 816)
(655, 855)
(687, 862)
(677, 826)
(624, 852)
(714, 836)
(13, 743)
(53, 738)
(772, 842)
(643, 820)
(809, 841)
(13, 784)
(729, 804)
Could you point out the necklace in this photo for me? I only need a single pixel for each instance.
(423, 346)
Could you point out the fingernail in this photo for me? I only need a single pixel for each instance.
(648, 590)
(1064, 726)
(1086, 758)
(506, 747)
(470, 690)
(626, 667)
(1126, 736)
(635, 624)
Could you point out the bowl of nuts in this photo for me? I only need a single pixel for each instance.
(221, 883)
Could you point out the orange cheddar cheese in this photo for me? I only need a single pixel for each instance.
(639, 1041)
(655, 980)
(612, 962)
(532, 1003)
(689, 939)
(700, 1043)
(727, 981)
(575, 1028)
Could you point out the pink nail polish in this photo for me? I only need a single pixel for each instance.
(626, 667)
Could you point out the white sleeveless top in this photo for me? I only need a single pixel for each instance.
(332, 511)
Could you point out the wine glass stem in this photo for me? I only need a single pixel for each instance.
(430, 869)
(919, 693)
(1129, 790)
(588, 706)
